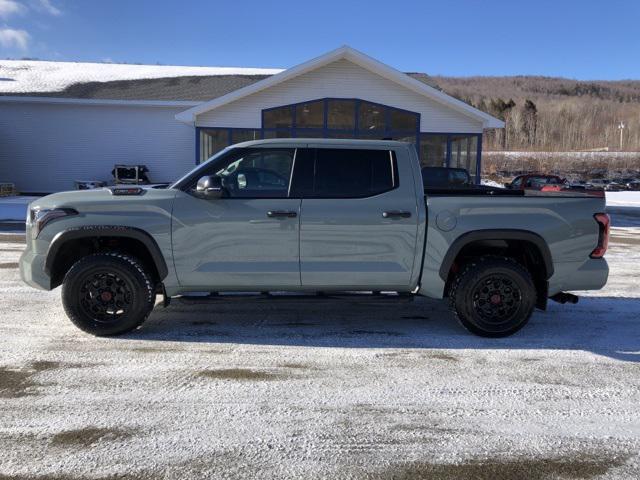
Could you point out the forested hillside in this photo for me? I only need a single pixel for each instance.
(553, 114)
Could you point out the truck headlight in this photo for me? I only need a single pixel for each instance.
(40, 217)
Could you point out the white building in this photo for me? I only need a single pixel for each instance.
(61, 122)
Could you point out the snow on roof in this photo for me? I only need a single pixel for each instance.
(25, 76)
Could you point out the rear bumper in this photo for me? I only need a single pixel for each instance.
(591, 274)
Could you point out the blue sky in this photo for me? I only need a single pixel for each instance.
(586, 39)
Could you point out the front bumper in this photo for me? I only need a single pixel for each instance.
(32, 269)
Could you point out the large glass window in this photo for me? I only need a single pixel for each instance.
(338, 134)
(310, 114)
(281, 117)
(341, 114)
(433, 150)
(402, 121)
(374, 135)
(340, 118)
(212, 141)
(371, 116)
(244, 134)
(464, 151)
(254, 173)
(344, 173)
(309, 133)
(277, 134)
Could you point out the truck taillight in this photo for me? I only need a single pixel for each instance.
(604, 224)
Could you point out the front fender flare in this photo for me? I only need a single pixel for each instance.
(106, 231)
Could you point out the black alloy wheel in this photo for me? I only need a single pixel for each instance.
(493, 296)
(108, 293)
(496, 298)
(105, 296)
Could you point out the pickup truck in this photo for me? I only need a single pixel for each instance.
(309, 215)
(537, 181)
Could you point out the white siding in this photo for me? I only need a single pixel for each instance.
(44, 147)
(342, 79)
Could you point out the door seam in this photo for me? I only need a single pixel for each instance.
(300, 242)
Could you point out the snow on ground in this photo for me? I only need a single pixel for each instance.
(21, 76)
(623, 199)
(322, 388)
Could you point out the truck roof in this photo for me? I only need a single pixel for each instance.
(292, 142)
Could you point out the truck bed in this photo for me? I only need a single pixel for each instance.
(482, 190)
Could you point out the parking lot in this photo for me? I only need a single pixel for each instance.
(322, 388)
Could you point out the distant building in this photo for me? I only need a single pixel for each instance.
(61, 122)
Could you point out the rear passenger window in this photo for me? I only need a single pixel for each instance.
(345, 173)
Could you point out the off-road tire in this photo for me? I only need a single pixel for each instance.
(470, 288)
(129, 290)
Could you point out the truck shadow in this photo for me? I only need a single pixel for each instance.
(602, 325)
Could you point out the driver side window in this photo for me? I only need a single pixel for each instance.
(255, 173)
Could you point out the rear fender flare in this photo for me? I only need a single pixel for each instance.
(496, 234)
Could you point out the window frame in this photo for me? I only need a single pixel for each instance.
(386, 132)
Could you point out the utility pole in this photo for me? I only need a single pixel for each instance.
(621, 128)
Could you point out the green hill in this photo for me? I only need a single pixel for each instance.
(553, 114)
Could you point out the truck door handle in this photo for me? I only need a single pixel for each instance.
(396, 214)
(282, 214)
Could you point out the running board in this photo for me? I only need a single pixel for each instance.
(349, 297)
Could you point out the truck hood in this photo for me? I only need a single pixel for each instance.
(78, 199)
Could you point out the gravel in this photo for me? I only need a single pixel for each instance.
(322, 388)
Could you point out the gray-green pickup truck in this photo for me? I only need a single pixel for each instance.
(309, 215)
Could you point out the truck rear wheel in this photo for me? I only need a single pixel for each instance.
(493, 296)
(107, 293)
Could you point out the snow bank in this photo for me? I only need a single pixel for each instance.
(21, 76)
(14, 208)
(491, 183)
(555, 155)
(623, 199)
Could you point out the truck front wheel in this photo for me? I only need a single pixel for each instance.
(107, 293)
(493, 296)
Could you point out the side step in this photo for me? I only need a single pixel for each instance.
(349, 297)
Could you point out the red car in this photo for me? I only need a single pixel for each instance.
(538, 181)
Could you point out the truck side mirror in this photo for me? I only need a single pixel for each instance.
(209, 187)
